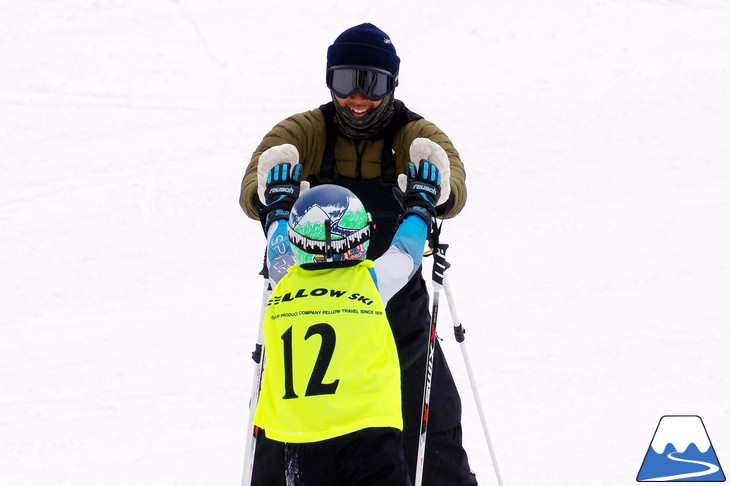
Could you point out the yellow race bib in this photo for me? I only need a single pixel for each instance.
(331, 363)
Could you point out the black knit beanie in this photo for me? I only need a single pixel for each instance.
(364, 45)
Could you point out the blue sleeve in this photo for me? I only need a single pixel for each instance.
(374, 274)
(403, 258)
(279, 256)
(410, 237)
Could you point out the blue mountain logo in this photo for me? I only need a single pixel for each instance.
(681, 451)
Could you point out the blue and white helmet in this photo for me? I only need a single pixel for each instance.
(328, 223)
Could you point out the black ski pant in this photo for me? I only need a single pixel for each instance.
(446, 462)
(368, 457)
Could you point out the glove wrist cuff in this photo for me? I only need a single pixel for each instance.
(428, 214)
(274, 215)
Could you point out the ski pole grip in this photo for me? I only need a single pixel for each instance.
(256, 354)
(459, 332)
(440, 265)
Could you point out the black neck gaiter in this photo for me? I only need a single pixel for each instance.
(367, 126)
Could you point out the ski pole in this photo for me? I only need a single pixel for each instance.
(258, 356)
(459, 334)
(437, 275)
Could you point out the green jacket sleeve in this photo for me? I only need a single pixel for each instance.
(306, 131)
(426, 129)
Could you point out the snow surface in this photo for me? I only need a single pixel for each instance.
(591, 265)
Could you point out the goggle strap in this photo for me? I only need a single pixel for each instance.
(330, 247)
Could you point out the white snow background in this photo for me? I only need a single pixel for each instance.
(591, 266)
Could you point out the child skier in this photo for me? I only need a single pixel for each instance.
(330, 392)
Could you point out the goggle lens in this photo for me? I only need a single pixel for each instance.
(345, 81)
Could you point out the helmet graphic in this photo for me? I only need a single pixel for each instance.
(328, 223)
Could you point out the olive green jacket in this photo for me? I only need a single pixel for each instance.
(357, 159)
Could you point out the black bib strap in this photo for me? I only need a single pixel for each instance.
(387, 160)
(327, 170)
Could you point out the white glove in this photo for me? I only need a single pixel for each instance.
(423, 148)
(271, 157)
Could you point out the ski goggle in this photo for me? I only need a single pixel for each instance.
(372, 83)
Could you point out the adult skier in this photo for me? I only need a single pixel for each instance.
(362, 140)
